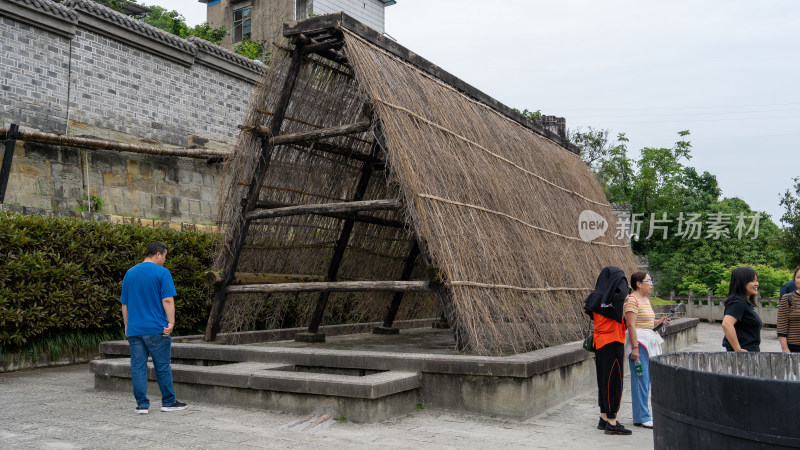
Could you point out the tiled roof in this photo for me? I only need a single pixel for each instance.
(51, 7)
(228, 55)
(109, 14)
(621, 206)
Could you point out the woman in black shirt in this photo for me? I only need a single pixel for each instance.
(741, 324)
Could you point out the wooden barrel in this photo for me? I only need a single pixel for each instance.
(726, 400)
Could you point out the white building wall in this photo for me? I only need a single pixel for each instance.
(369, 12)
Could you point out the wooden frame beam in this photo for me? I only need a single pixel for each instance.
(359, 217)
(336, 150)
(334, 286)
(103, 144)
(326, 208)
(306, 136)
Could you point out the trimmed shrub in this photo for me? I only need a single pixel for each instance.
(61, 275)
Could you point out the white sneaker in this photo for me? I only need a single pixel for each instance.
(177, 406)
(140, 410)
(648, 424)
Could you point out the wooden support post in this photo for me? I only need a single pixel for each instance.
(236, 240)
(327, 208)
(8, 157)
(341, 245)
(408, 268)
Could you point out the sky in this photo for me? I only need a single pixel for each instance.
(727, 71)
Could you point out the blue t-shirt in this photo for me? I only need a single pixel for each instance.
(144, 287)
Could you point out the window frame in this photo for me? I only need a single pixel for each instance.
(244, 22)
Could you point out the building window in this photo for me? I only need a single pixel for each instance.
(301, 9)
(241, 24)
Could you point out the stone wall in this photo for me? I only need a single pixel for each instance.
(79, 68)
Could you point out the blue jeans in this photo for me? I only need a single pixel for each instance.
(158, 347)
(640, 387)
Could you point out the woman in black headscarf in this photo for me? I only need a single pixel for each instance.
(605, 306)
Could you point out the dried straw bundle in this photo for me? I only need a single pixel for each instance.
(496, 204)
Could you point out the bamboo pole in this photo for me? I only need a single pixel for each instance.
(334, 286)
(92, 143)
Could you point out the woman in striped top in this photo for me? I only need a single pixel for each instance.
(789, 318)
(641, 344)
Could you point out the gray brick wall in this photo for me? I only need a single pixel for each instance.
(119, 87)
(110, 78)
(34, 67)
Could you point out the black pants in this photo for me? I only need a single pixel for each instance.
(608, 361)
(794, 348)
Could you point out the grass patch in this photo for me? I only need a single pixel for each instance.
(660, 301)
(69, 343)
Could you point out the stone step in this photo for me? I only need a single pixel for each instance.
(274, 377)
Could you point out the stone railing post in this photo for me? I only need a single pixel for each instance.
(758, 305)
(710, 306)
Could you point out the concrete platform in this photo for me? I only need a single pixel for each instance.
(371, 377)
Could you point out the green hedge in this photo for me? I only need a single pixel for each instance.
(61, 275)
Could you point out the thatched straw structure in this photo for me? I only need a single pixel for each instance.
(490, 201)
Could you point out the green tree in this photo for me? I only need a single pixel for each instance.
(659, 177)
(608, 160)
(697, 260)
(529, 114)
(174, 22)
(251, 50)
(770, 281)
(169, 21)
(668, 196)
(791, 217)
(205, 31)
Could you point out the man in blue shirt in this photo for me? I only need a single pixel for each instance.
(148, 310)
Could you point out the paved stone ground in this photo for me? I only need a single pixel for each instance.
(58, 408)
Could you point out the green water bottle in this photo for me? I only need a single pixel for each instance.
(639, 369)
